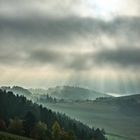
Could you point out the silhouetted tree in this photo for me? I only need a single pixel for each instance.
(98, 135)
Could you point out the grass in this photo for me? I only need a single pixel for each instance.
(8, 136)
(117, 137)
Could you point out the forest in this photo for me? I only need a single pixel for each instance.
(25, 118)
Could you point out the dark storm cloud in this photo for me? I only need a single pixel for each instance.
(114, 58)
(46, 56)
(51, 28)
(68, 29)
(57, 58)
(122, 58)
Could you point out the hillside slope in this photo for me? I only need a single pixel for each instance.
(18, 90)
(117, 115)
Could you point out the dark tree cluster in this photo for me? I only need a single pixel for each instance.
(47, 99)
(22, 117)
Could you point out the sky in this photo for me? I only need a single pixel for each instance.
(89, 43)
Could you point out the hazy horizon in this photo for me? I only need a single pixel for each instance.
(114, 94)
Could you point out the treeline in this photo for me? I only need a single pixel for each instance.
(36, 130)
(48, 99)
(21, 116)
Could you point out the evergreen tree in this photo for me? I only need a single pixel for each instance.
(56, 131)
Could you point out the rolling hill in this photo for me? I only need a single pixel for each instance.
(17, 90)
(117, 115)
(74, 93)
(59, 92)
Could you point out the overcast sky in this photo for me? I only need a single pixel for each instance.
(89, 43)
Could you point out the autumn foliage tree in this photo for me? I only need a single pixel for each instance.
(16, 126)
(39, 132)
(56, 131)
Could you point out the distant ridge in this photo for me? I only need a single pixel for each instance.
(17, 90)
(74, 93)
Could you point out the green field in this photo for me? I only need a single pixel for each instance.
(117, 137)
(102, 115)
(8, 136)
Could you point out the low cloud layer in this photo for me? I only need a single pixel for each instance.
(122, 58)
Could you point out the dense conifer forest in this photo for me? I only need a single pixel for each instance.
(23, 117)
